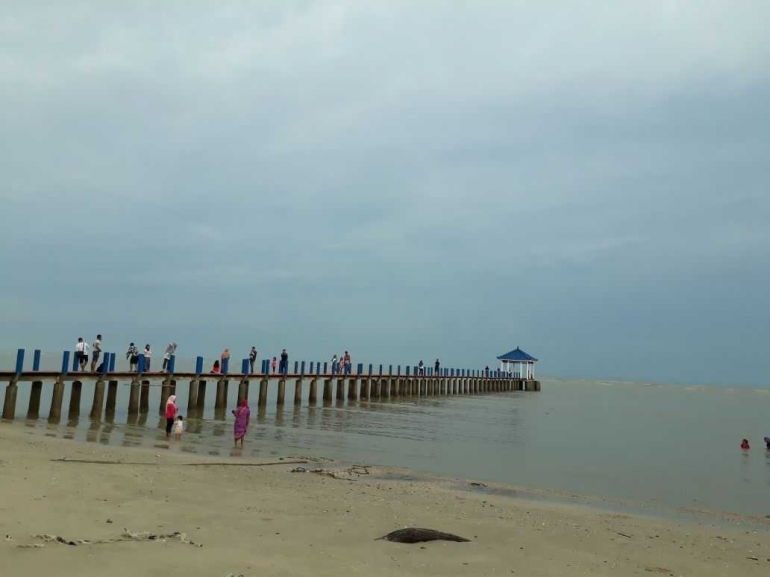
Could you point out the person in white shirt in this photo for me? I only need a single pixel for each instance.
(147, 355)
(96, 353)
(81, 353)
(178, 428)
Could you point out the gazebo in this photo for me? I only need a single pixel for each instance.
(520, 364)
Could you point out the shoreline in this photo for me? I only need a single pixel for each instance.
(257, 520)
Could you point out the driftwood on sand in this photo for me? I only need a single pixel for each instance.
(417, 535)
(126, 535)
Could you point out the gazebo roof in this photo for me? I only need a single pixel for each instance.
(517, 355)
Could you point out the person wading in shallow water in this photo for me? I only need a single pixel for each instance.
(170, 414)
(242, 417)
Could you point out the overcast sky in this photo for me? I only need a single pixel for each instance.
(406, 180)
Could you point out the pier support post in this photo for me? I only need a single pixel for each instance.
(243, 391)
(57, 397)
(363, 392)
(327, 391)
(352, 394)
(263, 392)
(133, 398)
(281, 392)
(376, 387)
(75, 393)
(33, 412)
(144, 400)
(192, 398)
(298, 393)
(340, 389)
(201, 408)
(9, 408)
(220, 402)
(385, 388)
(313, 396)
(98, 403)
(165, 393)
(394, 387)
(112, 398)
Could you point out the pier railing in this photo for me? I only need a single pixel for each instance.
(363, 383)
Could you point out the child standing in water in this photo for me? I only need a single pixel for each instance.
(178, 428)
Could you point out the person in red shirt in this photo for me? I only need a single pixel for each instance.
(216, 368)
(745, 445)
(170, 414)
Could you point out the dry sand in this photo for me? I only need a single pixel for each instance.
(259, 521)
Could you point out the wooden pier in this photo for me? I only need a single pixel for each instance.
(353, 386)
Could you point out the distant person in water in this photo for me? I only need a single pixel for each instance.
(767, 442)
(252, 359)
(178, 428)
(242, 417)
(274, 364)
(745, 444)
(216, 369)
(170, 414)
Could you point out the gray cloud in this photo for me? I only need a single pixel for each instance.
(404, 180)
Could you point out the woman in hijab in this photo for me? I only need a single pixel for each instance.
(170, 414)
(242, 417)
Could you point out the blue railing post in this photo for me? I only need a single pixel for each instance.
(301, 368)
(399, 370)
(75, 363)
(112, 362)
(140, 366)
(390, 369)
(198, 365)
(296, 367)
(245, 367)
(264, 368)
(318, 368)
(380, 370)
(105, 363)
(171, 364)
(65, 362)
(326, 366)
(407, 370)
(225, 368)
(36, 360)
(19, 361)
(370, 368)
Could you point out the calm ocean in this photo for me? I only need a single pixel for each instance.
(657, 444)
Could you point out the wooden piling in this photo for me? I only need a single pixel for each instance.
(192, 398)
(263, 392)
(220, 402)
(352, 393)
(97, 406)
(298, 393)
(201, 408)
(363, 392)
(243, 391)
(340, 389)
(375, 391)
(133, 399)
(385, 388)
(75, 393)
(112, 398)
(281, 392)
(165, 393)
(144, 399)
(312, 398)
(33, 411)
(9, 407)
(57, 397)
(327, 391)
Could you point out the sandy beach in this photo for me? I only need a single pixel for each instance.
(241, 519)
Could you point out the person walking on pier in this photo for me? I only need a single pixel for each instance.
(132, 356)
(334, 365)
(421, 368)
(147, 356)
(170, 414)
(252, 359)
(225, 358)
(242, 417)
(81, 353)
(170, 351)
(96, 352)
(347, 363)
(284, 367)
(274, 364)
(437, 366)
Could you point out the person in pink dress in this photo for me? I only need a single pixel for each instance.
(242, 418)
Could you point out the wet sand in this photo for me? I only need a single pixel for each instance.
(266, 520)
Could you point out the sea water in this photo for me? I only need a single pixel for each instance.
(667, 445)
